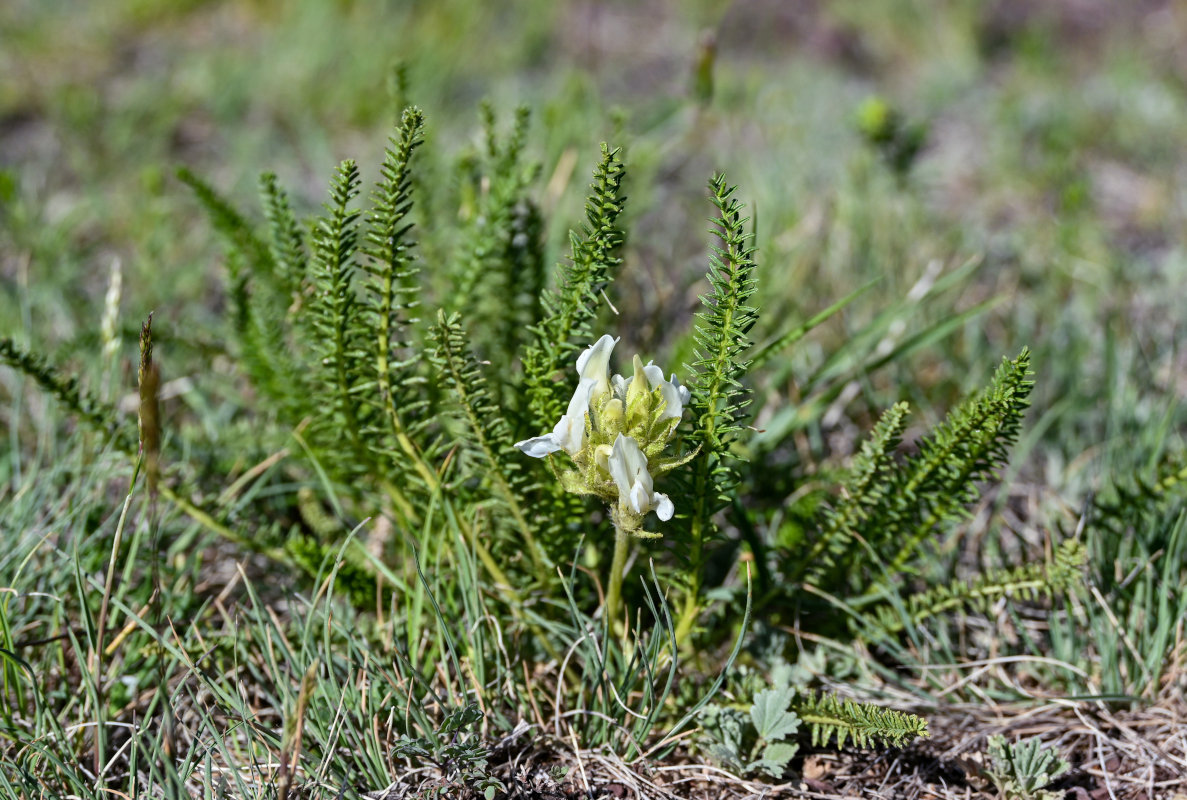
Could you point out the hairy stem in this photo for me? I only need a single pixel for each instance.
(622, 543)
(688, 616)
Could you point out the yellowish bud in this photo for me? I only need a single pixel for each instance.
(611, 417)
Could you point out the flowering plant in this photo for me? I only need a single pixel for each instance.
(615, 431)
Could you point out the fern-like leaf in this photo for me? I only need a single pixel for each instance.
(718, 403)
(862, 493)
(570, 308)
(335, 316)
(866, 725)
(90, 410)
(489, 436)
(393, 293)
(893, 507)
(1131, 501)
(499, 273)
(258, 303)
(287, 242)
(229, 222)
(940, 481)
(1027, 582)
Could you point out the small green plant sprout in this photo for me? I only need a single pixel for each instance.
(457, 753)
(1023, 770)
(784, 714)
(896, 140)
(615, 432)
(751, 743)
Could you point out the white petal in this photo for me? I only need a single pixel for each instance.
(640, 498)
(685, 395)
(594, 363)
(568, 436)
(636, 462)
(655, 375)
(569, 432)
(539, 446)
(663, 507)
(617, 467)
(673, 399)
(579, 402)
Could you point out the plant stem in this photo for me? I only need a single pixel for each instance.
(692, 606)
(688, 616)
(622, 543)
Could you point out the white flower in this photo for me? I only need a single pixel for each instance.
(651, 375)
(569, 432)
(594, 364)
(675, 395)
(636, 491)
(593, 367)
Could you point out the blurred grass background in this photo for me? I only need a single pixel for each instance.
(1050, 160)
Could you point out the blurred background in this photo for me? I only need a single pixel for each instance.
(1006, 173)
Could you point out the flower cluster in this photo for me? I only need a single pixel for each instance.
(615, 430)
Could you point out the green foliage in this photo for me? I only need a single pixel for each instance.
(1021, 770)
(329, 336)
(827, 715)
(564, 327)
(719, 400)
(1027, 582)
(763, 738)
(500, 272)
(770, 715)
(1127, 610)
(287, 242)
(486, 434)
(862, 493)
(77, 401)
(318, 556)
(335, 319)
(1131, 502)
(889, 507)
(393, 294)
(418, 448)
(754, 742)
(455, 749)
(721, 338)
(568, 310)
(229, 222)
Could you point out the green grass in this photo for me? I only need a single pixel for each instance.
(328, 620)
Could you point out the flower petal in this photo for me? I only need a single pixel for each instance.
(663, 507)
(569, 432)
(594, 363)
(539, 446)
(675, 396)
(685, 395)
(655, 375)
(640, 498)
(616, 465)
